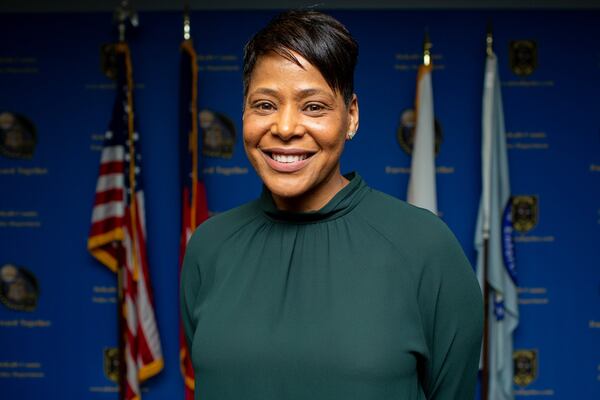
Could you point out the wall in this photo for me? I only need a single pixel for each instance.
(49, 72)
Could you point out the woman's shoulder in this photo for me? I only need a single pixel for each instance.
(420, 237)
(219, 227)
(401, 219)
(417, 234)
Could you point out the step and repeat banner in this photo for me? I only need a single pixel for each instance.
(58, 317)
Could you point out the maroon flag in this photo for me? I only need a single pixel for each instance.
(193, 193)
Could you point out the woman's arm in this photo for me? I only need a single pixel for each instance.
(451, 305)
(189, 288)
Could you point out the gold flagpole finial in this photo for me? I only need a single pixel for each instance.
(124, 12)
(187, 26)
(489, 40)
(427, 49)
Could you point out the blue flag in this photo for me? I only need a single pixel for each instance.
(494, 223)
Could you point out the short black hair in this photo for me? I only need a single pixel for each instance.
(321, 39)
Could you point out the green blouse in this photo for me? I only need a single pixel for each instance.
(367, 298)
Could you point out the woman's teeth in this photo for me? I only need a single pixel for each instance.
(283, 158)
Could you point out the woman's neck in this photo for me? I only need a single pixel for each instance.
(314, 199)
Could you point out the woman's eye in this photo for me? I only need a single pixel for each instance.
(264, 106)
(314, 107)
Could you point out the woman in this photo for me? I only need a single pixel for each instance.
(323, 288)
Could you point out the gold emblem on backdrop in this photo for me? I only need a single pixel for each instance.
(19, 289)
(406, 132)
(218, 133)
(17, 136)
(523, 57)
(525, 366)
(111, 363)
(524, 213)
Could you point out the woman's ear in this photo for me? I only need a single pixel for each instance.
(353, 116)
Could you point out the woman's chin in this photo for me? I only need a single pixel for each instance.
(286, 188)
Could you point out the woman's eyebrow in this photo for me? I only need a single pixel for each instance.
(310, 92)
(301, 94)
(267, 91)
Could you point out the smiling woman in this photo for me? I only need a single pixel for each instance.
(300, 107)
(323, 288)
(295, 126)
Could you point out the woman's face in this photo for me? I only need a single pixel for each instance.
(295, 127)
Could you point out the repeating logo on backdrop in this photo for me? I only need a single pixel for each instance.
(525, 366)
(406, 132)
(19, 289)
(218, 132)
(111, 363)
(17, 136)
(523, 57)
(524, 212)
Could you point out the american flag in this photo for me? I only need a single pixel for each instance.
(117, 237)
(193, 193)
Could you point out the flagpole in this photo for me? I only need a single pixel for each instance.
(485, 378)
(486, 240)
(120, 17)
(186, 22)
(121, 326)
(123, 13)
(427, 49)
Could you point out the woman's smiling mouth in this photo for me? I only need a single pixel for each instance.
(282, 158)
(287, 160)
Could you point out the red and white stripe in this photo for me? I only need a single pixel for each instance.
(123, 226)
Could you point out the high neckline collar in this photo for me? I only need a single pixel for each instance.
(343, 201)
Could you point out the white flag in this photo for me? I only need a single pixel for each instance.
(421, 185)
(494, 222)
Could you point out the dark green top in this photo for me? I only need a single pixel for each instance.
(368, 298)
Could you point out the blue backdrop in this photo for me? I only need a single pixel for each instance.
(49, 73)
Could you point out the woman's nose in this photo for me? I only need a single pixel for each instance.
(286, 126)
